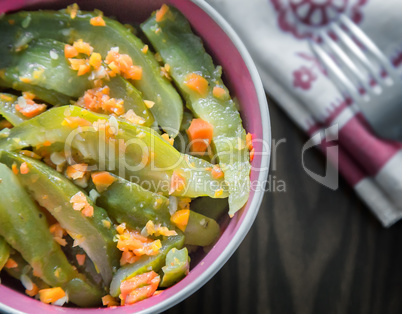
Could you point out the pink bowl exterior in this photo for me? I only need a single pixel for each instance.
(242, 79)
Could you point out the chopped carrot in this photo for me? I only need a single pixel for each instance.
(197, 83)
(128, 257)
(123, 64)
(51, 295)
(80, 167)
(74, 122)
(80, 203)
(95, 60)
(14, 168)
(249, 141)
(46, 143)
(33, 292)
(217, 172)
(121, 228)
(133, 241)
(25, 79)
(57, 231)
(76, 63)
(109, 301)
(112, 56)
(98, 100)
(83, 69)
(11, 264)
(102, 180)
(252, 152)
(37, 271)
(80, 259)
(70, 51)
(114, 67)
(76, 171)
(177, 182)
(160, 14)
(83, 47)
(139, 287)
(164, 231)
(200, 135)
(166, 137)
(30, 109)
(131, 117)
(219, 92)
(134, 73)
(97, 21)
(98, 83)
(24, 168)
(88, 211)
(60, 241)
(158, 230)
(28, 95)
(180, 218)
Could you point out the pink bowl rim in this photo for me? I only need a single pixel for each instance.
(249, 216)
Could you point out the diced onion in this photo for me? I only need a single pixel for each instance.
(57, 158)
(114, 125)
(53, 54)
(173, 203)
(26, 282)
(22, 102)
(61, 301)
(93, 195)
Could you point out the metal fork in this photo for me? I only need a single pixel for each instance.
(381, 102)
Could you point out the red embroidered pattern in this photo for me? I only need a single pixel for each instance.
(303, 17)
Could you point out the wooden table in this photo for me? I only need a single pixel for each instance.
(310, 250)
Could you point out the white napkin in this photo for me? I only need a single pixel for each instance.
(275, 32)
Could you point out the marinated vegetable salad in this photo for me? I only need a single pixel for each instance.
(100, 203)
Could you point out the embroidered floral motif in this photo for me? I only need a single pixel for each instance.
(303, 78)
(303, 17)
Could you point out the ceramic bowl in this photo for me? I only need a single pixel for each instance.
(242, 79)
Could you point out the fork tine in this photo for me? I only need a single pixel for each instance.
(344, 37)
(336, 72)
(347, 62)
(370, 45)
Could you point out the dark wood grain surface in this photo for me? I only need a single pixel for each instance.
(310, 250)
